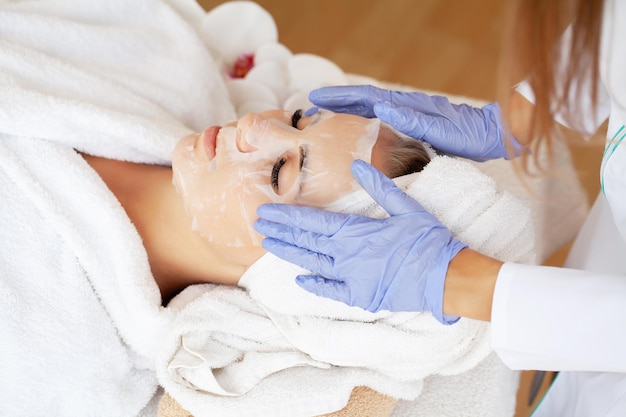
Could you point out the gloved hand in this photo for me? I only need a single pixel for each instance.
(463, 130)
(396, 264)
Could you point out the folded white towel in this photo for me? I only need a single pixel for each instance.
(224, 356)
(329, 341)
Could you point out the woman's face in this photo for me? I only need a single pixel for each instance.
(224, 174)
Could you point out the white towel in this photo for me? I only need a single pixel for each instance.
(487, 390)
(81, 313)
(224, 356)
(318, 338)
(80, 310)
(119, 79)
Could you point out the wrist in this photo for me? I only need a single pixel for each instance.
(469, 285)
(518, 118)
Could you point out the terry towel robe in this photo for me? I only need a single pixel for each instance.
(81, 313)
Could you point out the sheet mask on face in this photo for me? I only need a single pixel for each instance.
(225, 173)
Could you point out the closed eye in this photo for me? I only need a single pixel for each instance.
(276, 172)
(282, 181)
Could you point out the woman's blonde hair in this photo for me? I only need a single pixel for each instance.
(532, 52)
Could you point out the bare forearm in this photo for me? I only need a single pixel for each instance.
(470, 284)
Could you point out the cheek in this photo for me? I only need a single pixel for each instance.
(226, 219)
(221, 202)
(223, 210)
(327, 180)
(183, 162)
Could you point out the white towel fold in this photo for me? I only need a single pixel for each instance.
(390, 352)
(224, 356)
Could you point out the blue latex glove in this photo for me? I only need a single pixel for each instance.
(396, 264)
(463, 130)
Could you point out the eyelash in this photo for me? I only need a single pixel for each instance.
(295, 118)
(297, 115)
(279, 164)
(275, 171)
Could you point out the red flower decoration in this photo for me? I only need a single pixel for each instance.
(242, 66)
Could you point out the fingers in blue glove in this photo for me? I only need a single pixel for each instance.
(329, 288)
(383, 190)
(306, 218)
(359, 99)
(295, 236)
(315, 262)
(310, 112)
(410, 121)
(433, 129)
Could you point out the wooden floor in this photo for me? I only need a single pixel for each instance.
(449, 46)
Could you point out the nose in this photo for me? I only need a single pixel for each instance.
(250, 131)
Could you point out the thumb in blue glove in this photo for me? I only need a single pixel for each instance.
(396, 264)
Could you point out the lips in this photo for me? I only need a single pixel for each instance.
(208, 140)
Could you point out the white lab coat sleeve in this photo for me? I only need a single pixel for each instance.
(562, 319)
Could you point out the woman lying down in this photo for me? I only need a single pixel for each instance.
(225, 173)
(285, 336)
(237, 350)
(111, 275)
(218, 347)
